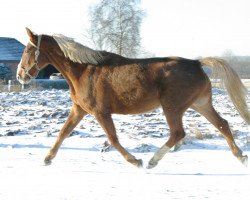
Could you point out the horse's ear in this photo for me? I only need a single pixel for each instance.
(33, 36)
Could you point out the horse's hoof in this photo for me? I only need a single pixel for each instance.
(244, 160)
(151, 164)
(47, 162)
(139, 163)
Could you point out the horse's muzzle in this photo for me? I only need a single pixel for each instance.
(23, 81)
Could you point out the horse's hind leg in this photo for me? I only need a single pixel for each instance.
(107, 124)
(177, 133)
(221, 124)
(75, 116)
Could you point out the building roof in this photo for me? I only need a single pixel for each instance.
(10, 49)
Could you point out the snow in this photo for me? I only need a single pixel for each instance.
(203, 167)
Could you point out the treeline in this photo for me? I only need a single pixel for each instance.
(241, 64)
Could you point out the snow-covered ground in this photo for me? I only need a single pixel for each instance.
(203, 168)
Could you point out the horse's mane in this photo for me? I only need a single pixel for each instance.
(85, 55)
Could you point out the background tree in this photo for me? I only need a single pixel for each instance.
(239, 63)
(115, 26)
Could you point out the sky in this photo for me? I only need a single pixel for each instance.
(186, 28)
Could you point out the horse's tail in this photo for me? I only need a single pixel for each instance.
(230, 79)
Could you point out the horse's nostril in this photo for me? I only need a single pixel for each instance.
(18, 77)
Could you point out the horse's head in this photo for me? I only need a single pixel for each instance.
(33, 59)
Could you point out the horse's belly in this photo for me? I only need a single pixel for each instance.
(134, 104)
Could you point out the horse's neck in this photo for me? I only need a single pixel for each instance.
(59, 63)
(70, 70)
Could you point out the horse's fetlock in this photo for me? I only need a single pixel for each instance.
(180, 135)
(238, 153)
(130, 158)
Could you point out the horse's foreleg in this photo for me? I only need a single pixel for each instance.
(176, 134)
(107, 124)
(75, 116)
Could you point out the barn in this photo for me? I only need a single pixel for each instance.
(10, 54)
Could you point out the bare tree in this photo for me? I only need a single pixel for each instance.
(115, 26)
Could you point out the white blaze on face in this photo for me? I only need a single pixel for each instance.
(18, 71)
(19, 67)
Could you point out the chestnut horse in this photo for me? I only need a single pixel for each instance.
(102, 83)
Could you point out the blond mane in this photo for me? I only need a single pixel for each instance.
(78, 52)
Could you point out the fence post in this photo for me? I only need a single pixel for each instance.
(9, 85)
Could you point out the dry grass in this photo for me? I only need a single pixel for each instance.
(16, 87)
(38, 84)
(202, 135)
(248, 141)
